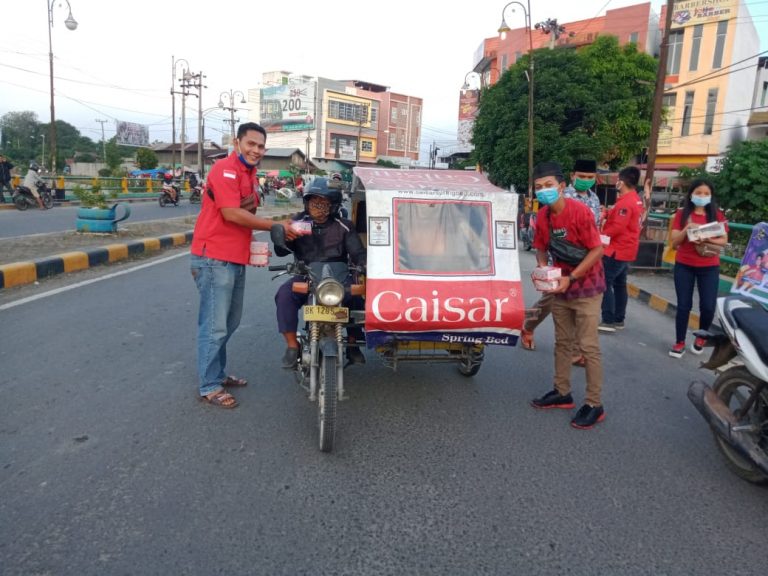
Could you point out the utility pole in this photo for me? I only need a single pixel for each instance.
(658, 95)
(173, 115)
(359, 133)
(103, 141)
(200, 121)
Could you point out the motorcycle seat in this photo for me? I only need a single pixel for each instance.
(754, 323)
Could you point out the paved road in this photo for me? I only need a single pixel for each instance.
(14, 223)
(108, 464)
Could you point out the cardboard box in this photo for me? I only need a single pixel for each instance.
(708, 230)
(546, 273)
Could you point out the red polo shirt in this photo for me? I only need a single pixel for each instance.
(231, 181)
(686, 252)
(622, 225)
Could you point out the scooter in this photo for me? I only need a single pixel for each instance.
(23, 197)
(167, 195)
(736, 406)
(196, 194)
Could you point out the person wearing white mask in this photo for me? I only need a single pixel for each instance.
(696, 262)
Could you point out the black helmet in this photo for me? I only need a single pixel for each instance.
(319, 187)
(34, 166)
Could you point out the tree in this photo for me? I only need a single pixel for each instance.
(22, 137)
(146, 158)
(587, 103)
(740, 186)
(114, 158)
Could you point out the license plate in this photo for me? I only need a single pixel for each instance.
(326, 314)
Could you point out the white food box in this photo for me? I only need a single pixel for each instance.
(302, 226)
(546, 273)
(708, 230)
(545, 285)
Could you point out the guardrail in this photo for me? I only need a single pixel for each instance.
(109, 185)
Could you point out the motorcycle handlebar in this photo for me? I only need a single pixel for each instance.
(278, 267)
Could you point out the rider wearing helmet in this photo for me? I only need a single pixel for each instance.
(168, 186)
(331, 239)
(31, 180)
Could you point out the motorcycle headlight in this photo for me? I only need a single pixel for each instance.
(330, 292)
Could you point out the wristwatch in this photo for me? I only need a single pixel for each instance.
(572, 278)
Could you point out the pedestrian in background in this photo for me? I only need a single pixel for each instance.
(220, 250)
(621, 242)
(583, 178)
(566, 229)
(696, 262)
(5, 177)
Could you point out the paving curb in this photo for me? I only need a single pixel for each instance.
(660, 304)
(29, 272)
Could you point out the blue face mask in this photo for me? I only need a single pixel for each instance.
(547, 196)
(242, 159)
(701, 201)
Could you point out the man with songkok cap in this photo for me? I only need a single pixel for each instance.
(566, 229)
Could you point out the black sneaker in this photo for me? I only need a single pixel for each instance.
(606, 327)
(355, 355)
(587, 417)
(619, 325)
(553, 399)
(290, 358)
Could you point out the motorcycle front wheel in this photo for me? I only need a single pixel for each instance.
(162, 201)
(20, 202)
(47, 199)
(327, 400)
(734, 387)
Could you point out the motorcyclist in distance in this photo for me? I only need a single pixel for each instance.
(31, 180)
(169, 187)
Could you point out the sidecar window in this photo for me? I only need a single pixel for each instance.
(443, 237)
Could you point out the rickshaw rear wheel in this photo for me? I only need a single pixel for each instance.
(327, 400)
(467, 368)
(471, 361)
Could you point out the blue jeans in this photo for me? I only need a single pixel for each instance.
(708, 278)
(615, 296)
(221, 285)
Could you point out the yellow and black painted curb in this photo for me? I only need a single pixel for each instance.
(660, 304)
(19, 273)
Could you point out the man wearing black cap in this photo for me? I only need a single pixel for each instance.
(566, 229)
(583, 180)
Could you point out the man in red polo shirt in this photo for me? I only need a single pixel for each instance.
(621, 231)
(220, 251)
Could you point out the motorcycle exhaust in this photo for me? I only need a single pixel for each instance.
(723, 422)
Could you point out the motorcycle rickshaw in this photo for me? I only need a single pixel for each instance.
(442, 280)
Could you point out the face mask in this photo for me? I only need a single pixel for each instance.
(701, 201)
(242, 159)
(547, 196)
(583, 185)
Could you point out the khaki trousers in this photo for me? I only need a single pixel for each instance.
(544, 305)
(576, 324)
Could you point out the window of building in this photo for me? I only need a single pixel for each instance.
(687, 109)
(696, 47)
(764, 97)
(503, 62)
(668, 103)
(392, 140)
(722, 28)
(374, 115)
(634, 37)
(675, 52)
(343, 146)
(711, 104)
(340, 110)
(518, 55)
(366, 146)
(393, 113)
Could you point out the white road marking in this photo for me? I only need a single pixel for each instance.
(29, 299)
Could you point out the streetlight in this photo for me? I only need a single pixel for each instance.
(231, 98)
(503, 29)
(71, 24)
(466, 86)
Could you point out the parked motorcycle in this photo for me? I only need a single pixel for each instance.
(320, 368)
(736, 406)
(23, 197)
(169, 194)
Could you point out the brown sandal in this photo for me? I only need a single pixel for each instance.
(234, 382)
(526, 340)
(221, 399)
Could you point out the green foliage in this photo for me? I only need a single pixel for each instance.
(587, 104)
(146, 159)
(386, 163)
(114, 158)
(741, 185)
(90, 198)
(105, 172)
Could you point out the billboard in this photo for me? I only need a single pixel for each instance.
(690, 12)
(130, 134)
(287, 107)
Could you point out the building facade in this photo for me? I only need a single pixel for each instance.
(338, 123)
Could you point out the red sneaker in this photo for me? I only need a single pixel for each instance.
(677, 350)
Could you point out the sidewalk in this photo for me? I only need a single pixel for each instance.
(83, 251)
(657, 290)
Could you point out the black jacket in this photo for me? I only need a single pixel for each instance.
(5, 171)
(333, 241)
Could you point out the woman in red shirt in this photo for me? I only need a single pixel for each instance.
(696, 262)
